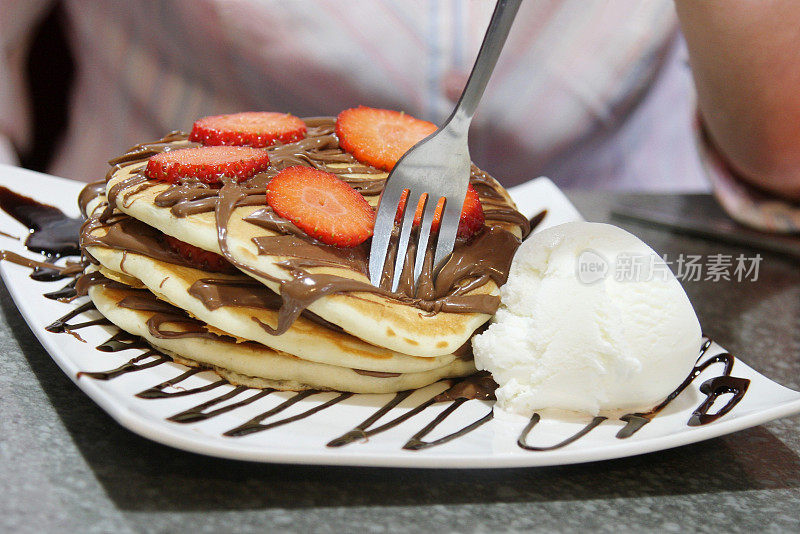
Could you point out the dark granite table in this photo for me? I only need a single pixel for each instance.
(65, 466)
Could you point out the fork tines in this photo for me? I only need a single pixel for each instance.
(399, 264)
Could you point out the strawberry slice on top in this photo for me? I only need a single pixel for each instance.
(321, 205)
(251, 128)
(472, 216)
(208, 164)
(202, 259)
(379, 137)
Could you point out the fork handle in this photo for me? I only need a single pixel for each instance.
(493, 41)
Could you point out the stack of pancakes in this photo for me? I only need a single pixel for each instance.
(289, 312)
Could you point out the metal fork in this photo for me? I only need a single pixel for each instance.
(439, 165)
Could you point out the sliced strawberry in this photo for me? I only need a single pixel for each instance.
(202, 259)
(251, 128)
(321, 205)
(379, 137)
(208, 163)
(471, 220)
(472, 217)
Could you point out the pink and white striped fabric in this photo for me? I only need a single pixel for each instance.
(591, 92)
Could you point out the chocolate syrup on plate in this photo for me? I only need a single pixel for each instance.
(61, 325)
(479, 386)
(522, 441)
(256, 425)
(63, 294)
(416, 443)
(52, 232)
(199, 413)
(157, 391)
(711, 388)
(130, 366)
(122, 340)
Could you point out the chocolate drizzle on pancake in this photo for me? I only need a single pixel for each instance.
(163, 313)
(216, 293)
(130, 235)
(470, 267)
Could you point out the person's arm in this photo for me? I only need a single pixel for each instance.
(745, 58)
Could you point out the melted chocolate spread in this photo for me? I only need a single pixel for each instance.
(130, 235)
(165, 313)
(215, 293)
(84, 282)
(470, 267)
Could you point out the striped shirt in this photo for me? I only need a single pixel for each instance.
(595, 94)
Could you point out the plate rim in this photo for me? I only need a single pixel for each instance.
(178, 437)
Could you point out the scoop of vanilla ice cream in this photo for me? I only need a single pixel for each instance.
(591, 319)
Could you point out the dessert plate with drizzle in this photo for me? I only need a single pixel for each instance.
(431, 427)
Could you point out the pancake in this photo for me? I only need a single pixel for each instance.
(211, 297)
(329, 281)
(234, 304)
(172, 331)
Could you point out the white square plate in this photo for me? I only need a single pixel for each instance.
(492, 444)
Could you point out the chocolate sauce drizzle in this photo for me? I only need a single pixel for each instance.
(130, 366)
(361, 432)
(714, 388)
(522, 441)
(61, 325)
(478, 386)
(65, 293)
(255, 424)
(157, 391)
(711, 388)
(198, 413)
(416, 443)
(120, 341)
